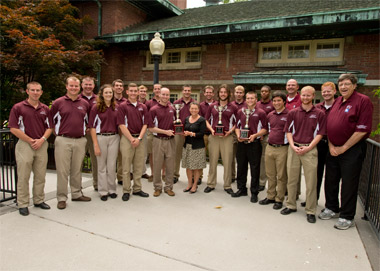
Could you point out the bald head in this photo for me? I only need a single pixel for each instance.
(292, 88)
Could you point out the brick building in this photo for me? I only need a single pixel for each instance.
(250, 43)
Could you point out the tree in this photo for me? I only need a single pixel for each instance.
(42, 40)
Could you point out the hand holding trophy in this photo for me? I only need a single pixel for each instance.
(244, 133)
(219, 128)
(178, 126)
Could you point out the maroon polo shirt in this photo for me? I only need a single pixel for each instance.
(103, 122)
(346, 118)
(91, 101)
(296, 102)
(70, 117)
(228, 116)
(239, 105)
(185, 110)
(321, 106)
(152, 102)
(119, 101)
(32, 121)
(276, 124)
(304, 126)
(257, 120)
(161, 117)
(267, 107)
(133, 117)
(204, 108)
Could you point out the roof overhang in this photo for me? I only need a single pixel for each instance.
(157, 9)
(303, 77)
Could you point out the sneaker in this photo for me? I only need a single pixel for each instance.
(327, 214)
(344, 224)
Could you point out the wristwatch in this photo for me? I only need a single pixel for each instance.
(139, 138)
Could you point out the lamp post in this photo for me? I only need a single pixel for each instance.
(157, 48)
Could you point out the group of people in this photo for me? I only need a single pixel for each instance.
(274, 137)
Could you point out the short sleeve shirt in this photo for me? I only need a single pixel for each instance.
(103, 122)
(257, 120)
(276, 124)
(149, 104)
(121, 100)
(228, 115)
(204, 108)
(134, 117)
(162, 117)
(296, 102)
(185, 110)
(91, 100)
(267, 107)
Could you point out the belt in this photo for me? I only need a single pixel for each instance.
(75, 137)
(164, 137)
(106, 134)
(254, 141)
(278, 145)
(135, 135)
(300, 145)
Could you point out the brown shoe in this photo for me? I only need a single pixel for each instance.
(170, 193)
(82, 198)
(145, 176)
(157, 193)
(150, 179)
(61, 205)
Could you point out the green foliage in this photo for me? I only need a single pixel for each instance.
(42, 40)
(376, 92)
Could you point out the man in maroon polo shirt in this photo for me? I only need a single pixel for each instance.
(161, 118)
(143, 91)
(293, 99)
(70, 116)
(221, 144)
(184, 112)
(265, 104)
(88, 85)
(276, 152)
(132, 121)
(29, 121)
(305, 126)
(328, 91)
(348, 125)
(249, 151)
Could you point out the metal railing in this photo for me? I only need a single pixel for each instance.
(8, 166)
(369, 185)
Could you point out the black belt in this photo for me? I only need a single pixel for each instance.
(106, 134)
(300, 145)
(164, 137)
(278, 145)
(135, 135)
(71, 136)
(257, 140)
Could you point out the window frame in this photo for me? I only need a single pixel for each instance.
(164, 65)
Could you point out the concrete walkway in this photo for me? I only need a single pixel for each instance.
(186, 232)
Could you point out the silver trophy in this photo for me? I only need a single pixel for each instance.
(244, 133)
(219, 129)
(178, 126)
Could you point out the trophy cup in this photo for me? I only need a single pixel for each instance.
(178, 126)
(244, 133)
(219, 128)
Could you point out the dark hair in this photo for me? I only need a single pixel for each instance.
(117, 81)
(186, 86)
(279, 93)
(228, 91)
(349, 76)
(100, 103)
(195, 103)
(267, 87)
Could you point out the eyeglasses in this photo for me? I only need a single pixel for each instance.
(344, 84)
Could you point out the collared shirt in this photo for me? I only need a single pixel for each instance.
(70, 117)
(121, 100)
(103, 122)
(296, 102)
(134, 117)
(204, 108)
(305, 125)
(149, 104)
(257, 120)
(267, 107)
(276, 124)
(228, 115)
(239, 105)
(162, 117)
(32, 121)
(185, 110)
(91, 101)
(346, 118)
(322, 106)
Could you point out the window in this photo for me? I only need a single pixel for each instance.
(194, 56)
(307, 52)
(180, 58)
(173, 57)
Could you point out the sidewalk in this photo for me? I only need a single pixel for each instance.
(185, 232)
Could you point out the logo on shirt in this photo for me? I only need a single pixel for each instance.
(313, 116)
(283, 119)
(171, 111)
(80, 107)
(255, 115)
(347, 108)
(43, 113)
(361, 126)
(140, 109)
(268, 107)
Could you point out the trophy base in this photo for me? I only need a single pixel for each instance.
(244, 134)
(178, 129)
(219, 130)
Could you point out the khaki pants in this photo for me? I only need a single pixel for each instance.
(119, 166)
(69, 154)
(163, 153)
(132, 156)
(94, 162)
(109, 148)
(179, 141)
(29, 160)
(309, 162)
(223, 146)
(275, 167)
(234, 150)
(263, 175)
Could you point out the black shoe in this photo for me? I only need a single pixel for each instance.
(287, 211)
(229, 191)
(266, 201)
(104, 198)
(303, 204)
(310, 218)
(24, 211)
(95, 188)
(125, 197)
(254, 198)
(42, 205)
(261, 187)
(175, 180)
(239, 193)
(277, 205)
(233, 180)
(208, 189)
(141, 194)
(113, 195)
(120, 182)
(199, 181)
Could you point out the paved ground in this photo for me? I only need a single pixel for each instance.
(186, 232)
